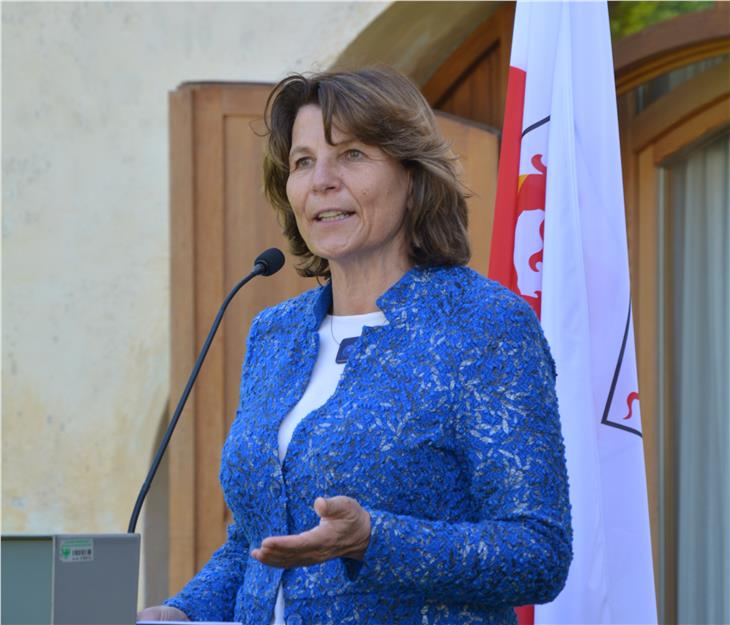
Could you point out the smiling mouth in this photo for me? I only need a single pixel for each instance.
(332, 215)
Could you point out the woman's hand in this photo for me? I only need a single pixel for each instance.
(162, 613)
(343, 530)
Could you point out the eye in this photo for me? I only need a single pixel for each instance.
(353, 154)
(302, 161)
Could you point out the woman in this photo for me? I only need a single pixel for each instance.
(396, 456)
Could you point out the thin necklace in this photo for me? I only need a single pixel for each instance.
(332, 332)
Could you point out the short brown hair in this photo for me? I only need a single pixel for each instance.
(379, 107)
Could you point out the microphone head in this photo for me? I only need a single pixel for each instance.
(269, 261)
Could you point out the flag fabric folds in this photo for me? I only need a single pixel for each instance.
(559, 240)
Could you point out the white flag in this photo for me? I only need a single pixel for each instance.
(569, 260)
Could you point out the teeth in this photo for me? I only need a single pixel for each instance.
(332, 215)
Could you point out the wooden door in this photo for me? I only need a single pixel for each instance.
(472, 82)
(220, 221)
(651, 138)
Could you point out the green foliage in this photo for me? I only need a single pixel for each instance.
(631, 17)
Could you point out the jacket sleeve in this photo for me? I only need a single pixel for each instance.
(508, 435)
(211, 594)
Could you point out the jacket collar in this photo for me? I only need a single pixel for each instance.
(393, 302)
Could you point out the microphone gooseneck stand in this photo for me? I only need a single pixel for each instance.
(266, 264)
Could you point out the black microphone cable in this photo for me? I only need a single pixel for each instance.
(267, 263)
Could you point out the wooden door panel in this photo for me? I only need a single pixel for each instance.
(477, 148)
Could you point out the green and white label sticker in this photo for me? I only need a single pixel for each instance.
(76, 550)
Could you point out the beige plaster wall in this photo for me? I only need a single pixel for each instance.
(85, 228)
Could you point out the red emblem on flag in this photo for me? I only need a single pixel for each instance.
(530, 233)
(633, 396)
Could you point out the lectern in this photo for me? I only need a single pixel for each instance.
(70, 579)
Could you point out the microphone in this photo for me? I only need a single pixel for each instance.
(269, 261)
(266, 264)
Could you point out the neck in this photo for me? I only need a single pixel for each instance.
(355, 288)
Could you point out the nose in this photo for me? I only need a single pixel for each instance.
(325, 177)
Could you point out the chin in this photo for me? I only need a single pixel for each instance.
(333, 254)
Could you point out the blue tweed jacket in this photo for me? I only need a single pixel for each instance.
(444, 426)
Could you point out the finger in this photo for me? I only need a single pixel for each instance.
(292, 542)
(287, 559)
(270, 558)
(321, 507)
(150, 614)
(313, 539)
(311, 547)
(287, 562)
(265, 557)
(336, 507)
(161, 613)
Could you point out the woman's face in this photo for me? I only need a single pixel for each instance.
(348, 198)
